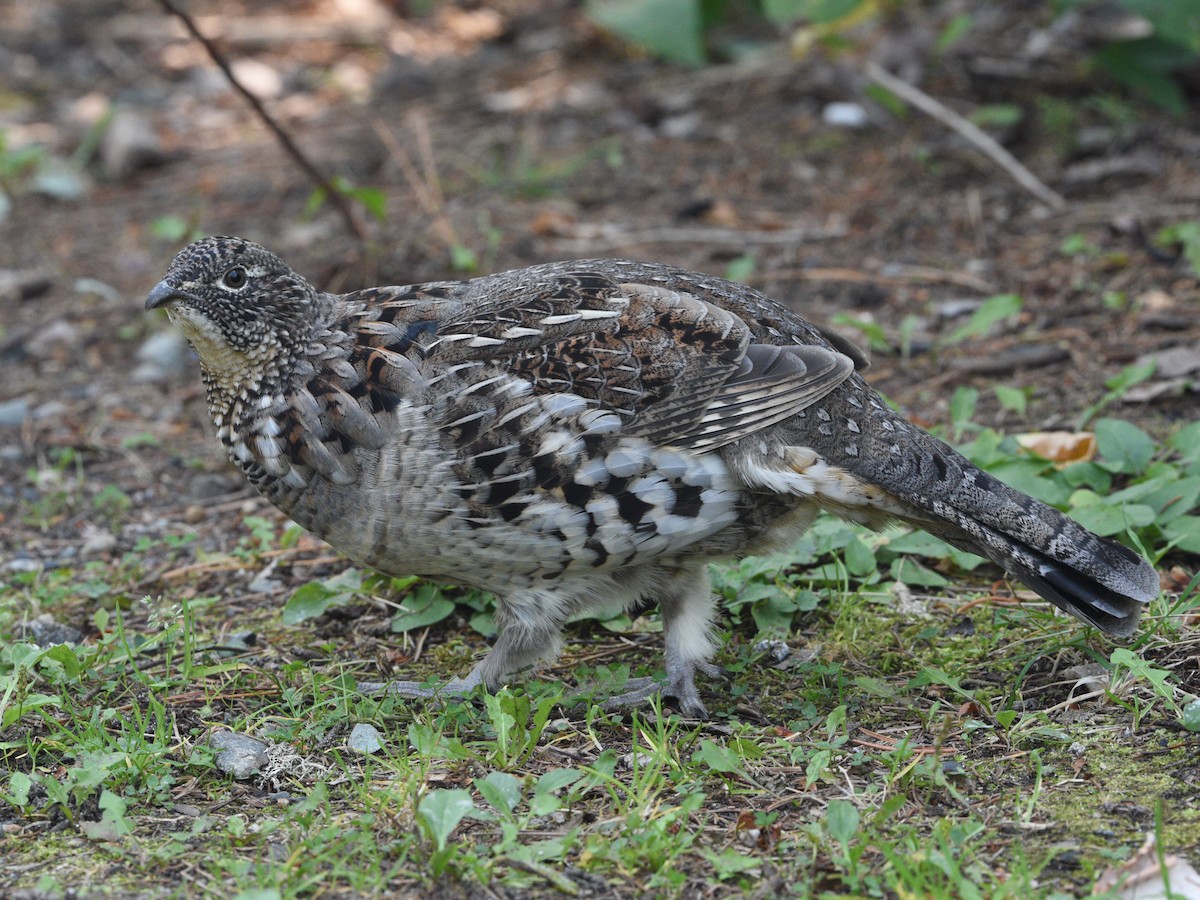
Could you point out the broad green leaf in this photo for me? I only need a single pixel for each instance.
(1190, 718)
(718, 758)
(671, 29)
(1107, 519)
(730, 862)
(442, 810)
(313, 599)
(501, 790)
(841, 819)
(425, 606)
(992, 310)
(1123, 446)
(18, 786)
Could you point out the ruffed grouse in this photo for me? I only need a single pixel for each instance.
(585, 434)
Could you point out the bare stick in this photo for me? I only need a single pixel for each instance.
(914, 96)
(324, 184)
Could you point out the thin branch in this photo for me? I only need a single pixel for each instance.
(914, 96)
(606, 237)
(315, 175)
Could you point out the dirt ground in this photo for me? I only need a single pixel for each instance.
(514, 132)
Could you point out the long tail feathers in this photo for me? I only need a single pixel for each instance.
(1094, 578)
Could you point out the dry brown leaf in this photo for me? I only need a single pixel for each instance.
(1145, 877)
(1060, 447)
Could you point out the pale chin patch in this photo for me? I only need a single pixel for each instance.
(206, 339)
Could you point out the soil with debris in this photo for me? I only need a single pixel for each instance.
(508, 133)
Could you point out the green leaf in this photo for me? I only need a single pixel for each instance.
(1187, 235)
(740, 269)
(1184, 533)
(841, 820)
(1123, 446)
(545, 791)
(313, 599)
(909, 571)
(463, 259)
(717, 758)
(501, 790)
(18, 785)
(670, 29)
(729, 862)
(426, 606)
(1190, 717)
(1144, 66)
(1011, 398)
(992, 310)
(962, 408)
(170, 228)
(1140, 668)
(373, 200)
(1097, 514)
(774, 614)
(953, 32)
(997, 115)
(441, 811)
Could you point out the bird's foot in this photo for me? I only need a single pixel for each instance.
(679, 683)
(455, 688)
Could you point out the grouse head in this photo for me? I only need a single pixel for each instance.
(241, 308)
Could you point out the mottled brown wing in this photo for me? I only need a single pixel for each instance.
(678, 369)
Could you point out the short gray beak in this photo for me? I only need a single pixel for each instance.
(162, 294)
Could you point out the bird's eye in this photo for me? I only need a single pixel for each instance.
(235, 278)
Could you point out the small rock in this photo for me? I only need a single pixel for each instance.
(97, 541)
(51, 409)
(194, 514)
(130, 143)
(243, 640)
(45, 632)
(1174, 361)
(364, 739)
(237, 754)
(682, 126)
(954, 307)
(258, 78)
(57, 339)
(206, 485)
(163, 356)
(844, 115)
(629, 760)
(13, 412)
(98, 288)
(59, 179)
(263, 583)
(22, 284)
(778, 650)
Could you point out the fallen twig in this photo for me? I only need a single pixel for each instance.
(608, 237)
(914, 96)
(315, 175)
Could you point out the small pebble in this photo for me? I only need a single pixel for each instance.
(365, 739)
(238, 755)
(13, 412)
(778, 650)
(163, 356)
(194, 514)
(46, 632)
(97, 541)
(844, 115)
(130, 143)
